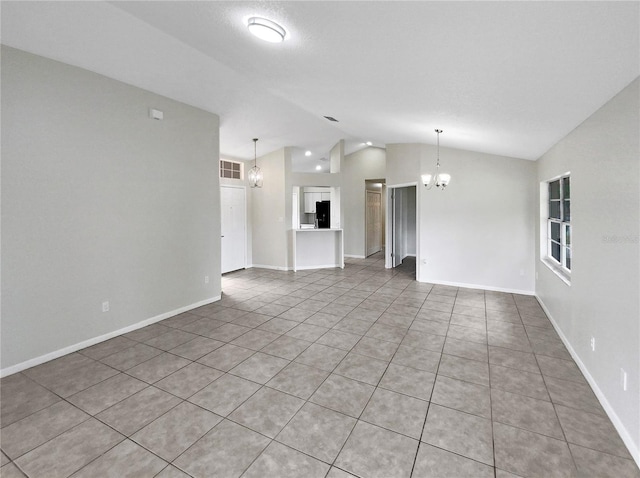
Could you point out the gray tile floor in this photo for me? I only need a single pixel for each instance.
(329, 373)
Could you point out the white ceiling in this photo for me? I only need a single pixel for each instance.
(508, 78)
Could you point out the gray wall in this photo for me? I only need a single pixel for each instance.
(99, 202)
(602, 155)
(479, 232)
(368, 163)
(270, 222)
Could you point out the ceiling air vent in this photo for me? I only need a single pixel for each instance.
(331, 118)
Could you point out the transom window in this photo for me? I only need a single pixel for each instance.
(559, 223)
(230, 169)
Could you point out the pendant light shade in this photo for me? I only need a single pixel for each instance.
(439, 180)
(255, 174)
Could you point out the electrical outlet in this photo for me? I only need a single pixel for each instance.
(623, 379)
(105, 306)
(593, 344)
(206, 279)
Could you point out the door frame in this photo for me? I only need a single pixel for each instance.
(389, 225)
(246, 224)
(366, 222)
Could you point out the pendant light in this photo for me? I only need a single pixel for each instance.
(255, 174)
(439, 180)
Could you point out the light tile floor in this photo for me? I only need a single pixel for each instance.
(330, 373)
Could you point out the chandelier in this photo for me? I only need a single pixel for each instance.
(255, 174)
(439, 180)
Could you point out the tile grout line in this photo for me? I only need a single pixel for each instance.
(555, 411)
(261, 280)
(424, 425)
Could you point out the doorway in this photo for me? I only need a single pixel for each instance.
(402, 231)
(374, 217)
(233, 215)
(373, 222)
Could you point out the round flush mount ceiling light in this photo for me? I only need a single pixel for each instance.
(266, 29)
(307, 153)
(318, 168)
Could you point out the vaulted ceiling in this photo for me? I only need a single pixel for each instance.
(507, 78)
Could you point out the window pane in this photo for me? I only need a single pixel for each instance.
(554, 209)
(554, 189)
(555, 231)
(566, 213)
(567, 255)
(566, 192)
(555, 251)
(236, 166)
(567, 235)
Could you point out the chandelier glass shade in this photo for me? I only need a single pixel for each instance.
(255, 173)
(439, 180)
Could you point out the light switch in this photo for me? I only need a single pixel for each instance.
(156, 114)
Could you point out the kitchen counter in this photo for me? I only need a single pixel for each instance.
(320, 250)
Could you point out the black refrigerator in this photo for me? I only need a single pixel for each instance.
(323, 214)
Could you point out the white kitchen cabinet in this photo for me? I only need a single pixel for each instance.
(310, 200)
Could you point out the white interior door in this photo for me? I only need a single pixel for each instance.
(373, 220)
(233, 222)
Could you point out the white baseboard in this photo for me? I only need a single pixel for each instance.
(101, 338)
(273, 268)
(326, 266)
(613, 416)
(302, 268)
(355, 256)
(483, 287)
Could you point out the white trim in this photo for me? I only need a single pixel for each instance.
(241, 163)
(101, 338)
(388, 260)
(409, 255)
(367, 219)
(617, 423)
(273, 268)
(484, 287)
(557, 270)
(545, 234)
(356, 256)
(326, 266)
(246, 218)
(402, 185)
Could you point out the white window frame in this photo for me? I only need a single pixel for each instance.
(240, 169)
(559, 267)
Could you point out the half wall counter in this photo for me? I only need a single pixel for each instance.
(317, 249)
